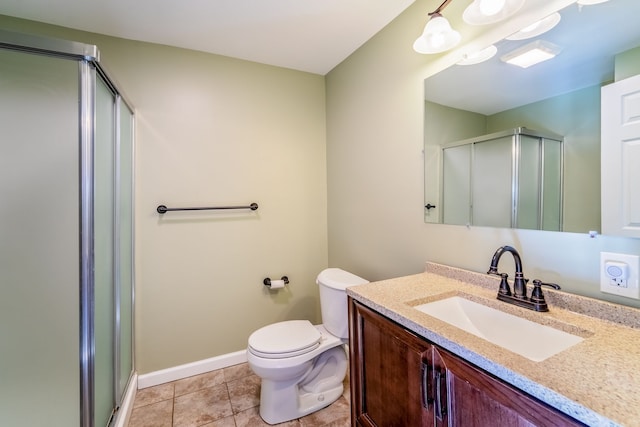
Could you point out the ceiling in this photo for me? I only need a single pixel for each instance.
(306, 35)
(590, 37)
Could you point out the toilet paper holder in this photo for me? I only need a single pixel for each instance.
(267, 281)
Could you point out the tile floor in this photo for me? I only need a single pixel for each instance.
(227, 397)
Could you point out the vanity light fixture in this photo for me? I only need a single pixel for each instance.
(531, 54)
(483, 12)
(438, 36)
(537, 28)
(479, 56)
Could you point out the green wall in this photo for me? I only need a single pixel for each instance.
(627, 64)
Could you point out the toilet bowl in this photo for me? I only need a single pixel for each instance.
(303, 366)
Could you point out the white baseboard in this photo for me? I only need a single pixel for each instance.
(190, 369)
(124, 413)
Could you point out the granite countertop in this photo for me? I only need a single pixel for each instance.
(596, 381)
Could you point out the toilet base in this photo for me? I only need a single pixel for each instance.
(304, 404)
(319, 387)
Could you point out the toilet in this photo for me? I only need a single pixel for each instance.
(303, 366)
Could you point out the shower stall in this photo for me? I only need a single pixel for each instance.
(66, 235)
(508, 179)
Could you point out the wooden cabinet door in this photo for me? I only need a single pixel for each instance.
(389, 372)
(476, 399)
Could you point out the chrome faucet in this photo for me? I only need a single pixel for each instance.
(519, 296)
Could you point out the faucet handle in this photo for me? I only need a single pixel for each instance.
(539, 283)
(504, 285)
(537, 295)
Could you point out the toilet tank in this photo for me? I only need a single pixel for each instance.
(332, 283)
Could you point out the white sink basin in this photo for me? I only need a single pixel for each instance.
(529, 339)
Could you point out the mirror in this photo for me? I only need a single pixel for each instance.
(560, 96)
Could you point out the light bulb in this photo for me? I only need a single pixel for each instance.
(490, 7)
(484, 12)
(436, 40)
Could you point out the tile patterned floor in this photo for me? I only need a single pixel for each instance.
(228, 397)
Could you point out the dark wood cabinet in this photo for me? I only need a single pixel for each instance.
(390, 372)
(400, 379)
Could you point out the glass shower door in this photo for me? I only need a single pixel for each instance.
(39, 235)
(113, 246)
(552, 185)
(66, 235)
(456, 184)
(104, 308)
(529, 184)
(124, 231)
(492, 185)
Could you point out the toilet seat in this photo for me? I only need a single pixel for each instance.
(285, 339)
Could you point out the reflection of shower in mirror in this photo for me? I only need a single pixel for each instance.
(507, 179)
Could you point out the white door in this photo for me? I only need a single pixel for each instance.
(620, 150)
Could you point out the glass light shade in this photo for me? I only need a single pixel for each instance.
(479, 56)
(483, 12)
(490, 7)
(438, 36)
(537, 28)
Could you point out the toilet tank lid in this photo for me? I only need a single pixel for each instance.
(337, 278)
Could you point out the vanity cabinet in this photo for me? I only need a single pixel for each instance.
(388, 372)
(400, 379)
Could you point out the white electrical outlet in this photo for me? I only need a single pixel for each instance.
(619, 274)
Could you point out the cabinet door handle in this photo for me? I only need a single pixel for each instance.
(426, 397)
(441, 407)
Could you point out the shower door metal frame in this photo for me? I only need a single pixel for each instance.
(88, 58)
(87, 266)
